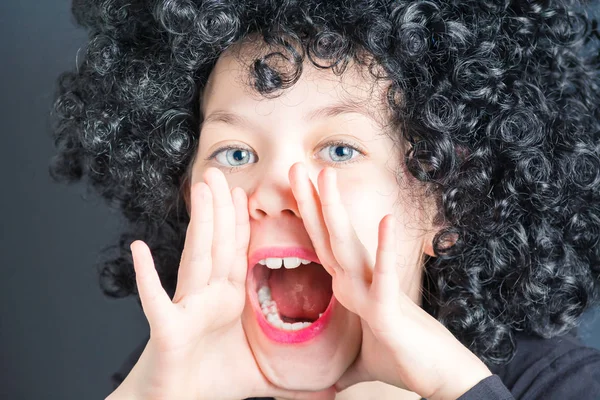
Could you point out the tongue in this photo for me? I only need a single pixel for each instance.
(301, 293)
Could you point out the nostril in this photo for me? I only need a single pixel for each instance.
(268, 201)
(291, 213)
(257, 213)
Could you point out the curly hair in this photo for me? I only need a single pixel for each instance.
(497, 101)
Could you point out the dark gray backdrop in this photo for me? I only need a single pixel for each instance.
(59, 337)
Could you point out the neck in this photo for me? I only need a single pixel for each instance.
(376, 391)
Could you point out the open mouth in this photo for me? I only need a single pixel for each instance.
(292, 297)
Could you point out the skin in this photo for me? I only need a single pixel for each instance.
(369, 229)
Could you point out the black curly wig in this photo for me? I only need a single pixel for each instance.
(497, 101)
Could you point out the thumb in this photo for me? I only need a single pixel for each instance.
(353, 375)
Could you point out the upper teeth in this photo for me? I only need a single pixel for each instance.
(288, 262)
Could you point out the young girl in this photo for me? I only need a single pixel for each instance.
(323, 194)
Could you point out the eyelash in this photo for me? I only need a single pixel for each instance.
(328, 144)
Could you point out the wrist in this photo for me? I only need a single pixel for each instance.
(131, 387)
(461, 382)
(126, 390)
(123, 392)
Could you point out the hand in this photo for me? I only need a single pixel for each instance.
(401, 344)
(197, 347)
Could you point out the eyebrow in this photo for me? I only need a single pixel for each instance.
(331, 111)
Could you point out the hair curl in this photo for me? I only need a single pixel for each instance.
(498, 101)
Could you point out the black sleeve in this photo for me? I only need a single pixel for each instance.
(561, 368)
(490, 388)
(575, 374)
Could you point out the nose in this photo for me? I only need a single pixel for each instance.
(272, 196)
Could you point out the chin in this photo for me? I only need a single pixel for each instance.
(301, 337)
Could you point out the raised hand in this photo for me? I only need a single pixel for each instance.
(197, 347)
(402, 345)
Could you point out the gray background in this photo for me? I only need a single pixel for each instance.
(59, 337)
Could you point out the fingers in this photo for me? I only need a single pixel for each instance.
(312, 217)
(156, 303)
(212, 239)
(224, 236)
(345, 244)
(242, 236)
(196, 260)
(385, 284)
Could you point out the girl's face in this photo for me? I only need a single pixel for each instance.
(323, 120)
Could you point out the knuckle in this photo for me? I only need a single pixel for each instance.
(222, 248)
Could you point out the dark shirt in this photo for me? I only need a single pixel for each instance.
(560, 368)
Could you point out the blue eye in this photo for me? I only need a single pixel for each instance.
(234, 156)
(339, 152)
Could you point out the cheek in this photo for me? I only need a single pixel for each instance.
(367, 202)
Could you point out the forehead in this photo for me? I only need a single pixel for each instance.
(231, 86)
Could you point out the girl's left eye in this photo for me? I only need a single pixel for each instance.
(339, 152)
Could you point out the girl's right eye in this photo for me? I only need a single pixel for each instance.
(233, 156)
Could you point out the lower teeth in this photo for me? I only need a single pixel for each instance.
(269, 309)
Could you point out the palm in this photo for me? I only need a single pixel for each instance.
(216, 308)
(344, 288)
(213, 311)
(375, 359)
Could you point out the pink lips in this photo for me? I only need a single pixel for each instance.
(273, 333)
